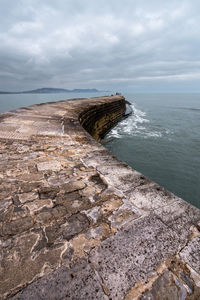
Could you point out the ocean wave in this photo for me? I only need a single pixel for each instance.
(136, 125)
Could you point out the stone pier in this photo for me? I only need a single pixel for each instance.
(78, 223)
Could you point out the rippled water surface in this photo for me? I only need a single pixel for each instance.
(161, 139)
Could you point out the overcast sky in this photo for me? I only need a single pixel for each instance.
(119, 45)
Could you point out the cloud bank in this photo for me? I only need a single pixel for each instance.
(130, 45)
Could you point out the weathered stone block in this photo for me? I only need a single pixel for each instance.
(191, 254)
(48, 192)
(27, 197)
(133, 254)
(52, 165)
(77, 283)
(17, 226)
(73, 186)
(38, 205)
(75, 224)
(164, 288)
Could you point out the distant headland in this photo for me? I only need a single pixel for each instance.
(53, 90)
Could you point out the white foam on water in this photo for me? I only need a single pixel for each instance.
(153, 134)
(136, 125)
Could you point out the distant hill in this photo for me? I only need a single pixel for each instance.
(53, 90)
(4, 92)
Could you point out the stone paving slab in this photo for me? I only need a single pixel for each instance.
(133, 254)
(191, 254)
(77, 282)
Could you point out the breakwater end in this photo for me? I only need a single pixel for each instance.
(78, 223)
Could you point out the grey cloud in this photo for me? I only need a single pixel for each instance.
(129, 45)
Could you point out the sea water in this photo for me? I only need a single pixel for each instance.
(161, 139)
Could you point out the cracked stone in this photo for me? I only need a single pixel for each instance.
(73, 186)
(38, 205)
(52, 165)
(17, 226)
(89, 191)
(59, 211)
(48, 192)
(163, 288)
(44, 217)
(75, 224)
(28, 187)
(111, 205)
(27, 197)
(4, 204)
(93, 213)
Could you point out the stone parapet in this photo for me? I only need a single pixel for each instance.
(78, 223)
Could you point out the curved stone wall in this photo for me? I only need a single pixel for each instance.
(99, 120)
(78, 223)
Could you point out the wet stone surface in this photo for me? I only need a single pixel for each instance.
(78, 223)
